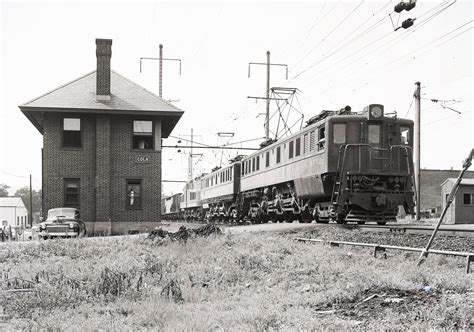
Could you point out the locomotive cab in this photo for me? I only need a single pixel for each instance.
(372, 167)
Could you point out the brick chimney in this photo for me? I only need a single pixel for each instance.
(103, 53)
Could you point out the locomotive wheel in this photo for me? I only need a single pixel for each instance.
(341, 219)
(306, 217)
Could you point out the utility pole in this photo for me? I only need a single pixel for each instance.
(31, 205)
(191, 154)
(160, 59)
(417, 96)
(161, 71)
(191, 157)
(267, 113)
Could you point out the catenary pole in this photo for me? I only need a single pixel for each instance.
(267, 113)
(417, 96)
(30, 219)
(161, 71)
(267, 94)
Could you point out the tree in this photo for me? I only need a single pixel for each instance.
(4, 190)
(24, 193)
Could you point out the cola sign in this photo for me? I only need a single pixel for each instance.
(142, 159)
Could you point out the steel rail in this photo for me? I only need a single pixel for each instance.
(383, 247)
(418, 230)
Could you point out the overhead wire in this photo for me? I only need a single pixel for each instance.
(350, 41)
(333, 30)
(368, 46)
(376, 56)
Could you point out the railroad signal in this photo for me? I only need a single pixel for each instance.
(408, 23)
(401, 6)
(405, 24)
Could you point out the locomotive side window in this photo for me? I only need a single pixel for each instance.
(339, 133)
(278, 154)
(267, 159)
(321, 137)
(258, 163)
(404, 135)
(374, 134)
(290, 153)
(305, 143)
(253, 164)
(311, 140)
(298, 147)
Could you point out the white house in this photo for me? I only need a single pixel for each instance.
(13, 212)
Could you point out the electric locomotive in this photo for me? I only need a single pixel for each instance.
(219, 191)
(342, 166)
(190, 203)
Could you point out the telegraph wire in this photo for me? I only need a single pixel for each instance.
(317, 20)
(15, 175)
(350, 41)
(332, 31)
(409, 107)
(439, 7)
(325, 16)
(353, 73)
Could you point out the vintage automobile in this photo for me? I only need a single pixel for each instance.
(62, 222)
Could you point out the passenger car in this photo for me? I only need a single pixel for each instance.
(62, 222)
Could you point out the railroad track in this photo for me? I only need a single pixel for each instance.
(445, 230)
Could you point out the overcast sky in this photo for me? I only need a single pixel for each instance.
(338, 53)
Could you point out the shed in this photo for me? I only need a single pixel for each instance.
(461, 210)
(13, 212)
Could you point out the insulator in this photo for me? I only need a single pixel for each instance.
(407, 23)
(400, 7)
(410, 5)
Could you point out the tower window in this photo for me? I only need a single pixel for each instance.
(72, 133)
(143, 135)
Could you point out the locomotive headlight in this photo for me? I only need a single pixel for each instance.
(397, 179)
(376, 112)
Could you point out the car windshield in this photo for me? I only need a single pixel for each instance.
(66, 212)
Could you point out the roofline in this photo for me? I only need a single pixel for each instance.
(90, 73)
(59, 87)
(144, 89)
(25, 108)
(454, 180)
(172, 117)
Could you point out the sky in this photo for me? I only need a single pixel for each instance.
(338, 53)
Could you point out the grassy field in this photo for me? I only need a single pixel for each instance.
(230, 282)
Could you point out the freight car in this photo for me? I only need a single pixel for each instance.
(170, 207)
(343, 166)
(190, 204)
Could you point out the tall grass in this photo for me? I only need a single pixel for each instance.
(237, 282)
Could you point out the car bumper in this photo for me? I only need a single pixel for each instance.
(58, 234)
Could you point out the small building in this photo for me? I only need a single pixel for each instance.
(102, 138)
(13, 212)
(461, 210)
(430, 187)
